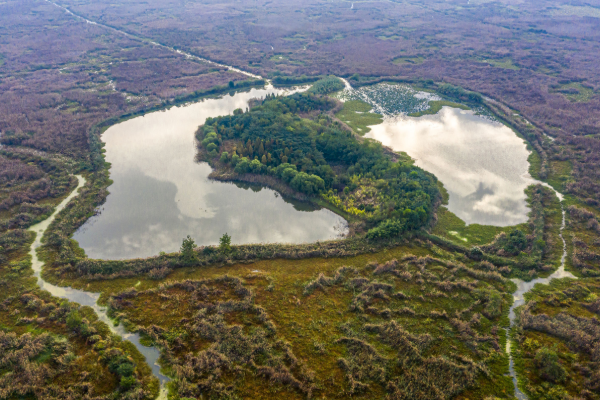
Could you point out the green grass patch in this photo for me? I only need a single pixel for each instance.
(357, 114)
(391, 37)
(575, 92)
(546, 71)
(559, 173)
(455, 229)
(278, 57)
(505, 63)
(436, 105)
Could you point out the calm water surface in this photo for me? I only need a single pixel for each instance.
(482, 163)
(160, 194)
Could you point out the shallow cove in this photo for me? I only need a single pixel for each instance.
(482, 163)
(160, 194)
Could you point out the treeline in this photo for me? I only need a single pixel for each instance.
(219, 89)
(327, 85)
(317, 156)
(162, 265)
(294, 80)
(461, 94)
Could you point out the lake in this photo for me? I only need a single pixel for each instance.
(160, 194)
(482, 163)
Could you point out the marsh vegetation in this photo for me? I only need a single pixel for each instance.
(414, 293)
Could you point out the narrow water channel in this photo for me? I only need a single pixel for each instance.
(524, 287)
(88, 298)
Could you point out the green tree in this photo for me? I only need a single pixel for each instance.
(74, 320)
(255, 166)
(212, 147)
(307, 183)
(127, 382)
(225, 244)
(516, 241)
(231, 84)
(549, 366)
(187, 253)
(242, 166)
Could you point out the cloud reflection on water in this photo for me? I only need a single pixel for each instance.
(482, 164)
(160, 194)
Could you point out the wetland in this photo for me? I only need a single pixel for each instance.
(418, 240)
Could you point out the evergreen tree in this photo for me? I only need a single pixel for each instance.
(187, 253)
(225, 244)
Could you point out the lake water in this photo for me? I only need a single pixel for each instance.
(160, 194)
(482, 163)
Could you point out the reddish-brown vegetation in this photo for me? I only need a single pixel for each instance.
(60, 75)
(529, 55)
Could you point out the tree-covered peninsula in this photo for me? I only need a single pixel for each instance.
(294, 141)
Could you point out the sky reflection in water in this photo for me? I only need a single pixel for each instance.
(160, 194)
(482, 164)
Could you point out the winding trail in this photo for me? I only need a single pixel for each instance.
(88, 298)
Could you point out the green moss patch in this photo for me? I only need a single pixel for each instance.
(358, 116)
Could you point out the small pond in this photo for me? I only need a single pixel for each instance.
(160, 194)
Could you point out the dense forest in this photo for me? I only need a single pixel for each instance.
(315, 156)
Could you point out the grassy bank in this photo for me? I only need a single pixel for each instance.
(357, 114)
